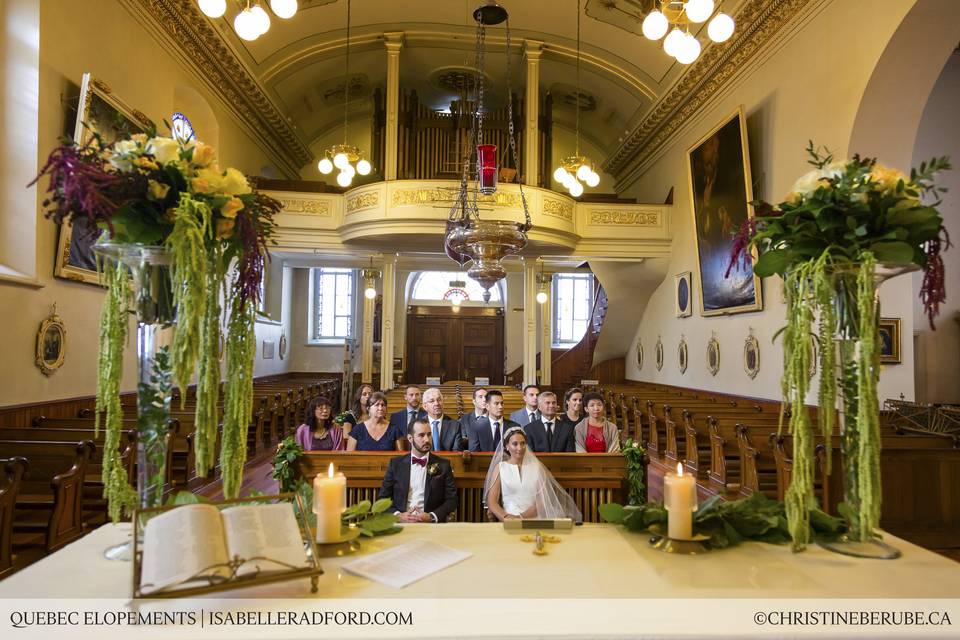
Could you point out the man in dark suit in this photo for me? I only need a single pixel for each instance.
(420, 483)
(486, 433)
(468, 420)
(528, 413)
(404, 418)
(548, 435)
(446, 433)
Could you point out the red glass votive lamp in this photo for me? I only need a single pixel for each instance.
(487, 168)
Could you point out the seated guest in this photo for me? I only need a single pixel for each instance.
(358, 410)
(445, 432)
(596, 434)
(479, 411)
(528, 413)
(486, 432)
(376, 434)
(405, 417)
(572, 406)
(319, 432)
(420, 484)
(548, 434)
(526, 487)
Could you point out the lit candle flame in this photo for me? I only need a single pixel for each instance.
(330, 471)
(679, 468)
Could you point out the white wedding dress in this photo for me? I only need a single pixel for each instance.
(518, 491)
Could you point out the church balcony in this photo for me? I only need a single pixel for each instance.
(410, 215)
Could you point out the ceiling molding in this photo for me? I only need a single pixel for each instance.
(199, 43)
(758, 21)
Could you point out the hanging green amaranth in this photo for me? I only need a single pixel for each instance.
(868, 416)
(208, 374)
(238, 395)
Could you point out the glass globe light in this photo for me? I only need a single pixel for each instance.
(284, 8)
(369, 293)
(344, 179)
(698, 10)
(325, 166)
(689, 50)
(720, 28)
(363, 167)
(349, 170)
(673, 42)
(559, 174)
(576, 190)
(340, 160)
(455, 301)
(263, 20)
(583, 171)
(541, 297)
(568, 181)
(213, 8)
(246, 25)
(593, 179)
(655, 25)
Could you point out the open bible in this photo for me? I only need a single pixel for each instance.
(199, 544)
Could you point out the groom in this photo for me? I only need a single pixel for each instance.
(419, 483)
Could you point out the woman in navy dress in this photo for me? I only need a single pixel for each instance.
(376, 434)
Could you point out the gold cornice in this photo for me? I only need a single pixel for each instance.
(558, 209)
(201, 44)
(628, 218)
(758, 21)
(300, 206)
(364, 200)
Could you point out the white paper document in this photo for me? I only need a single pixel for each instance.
(403, 565)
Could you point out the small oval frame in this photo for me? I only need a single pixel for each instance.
(49, 362)
(751, 356)
(713, 356)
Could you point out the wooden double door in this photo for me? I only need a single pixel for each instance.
(450, 345)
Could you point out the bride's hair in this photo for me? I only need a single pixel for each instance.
(509, 434)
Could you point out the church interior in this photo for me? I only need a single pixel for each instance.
(456, 208)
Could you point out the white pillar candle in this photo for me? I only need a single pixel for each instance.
(329, 503)
(680, 500)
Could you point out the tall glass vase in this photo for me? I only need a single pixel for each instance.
(152, 302)
(849, 341)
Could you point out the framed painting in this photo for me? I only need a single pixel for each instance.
(720, 196)
(683, 305)
(889, 333)
(99, 111)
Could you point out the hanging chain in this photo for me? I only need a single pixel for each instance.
(346, 82)
(528, 223)
(577, 102)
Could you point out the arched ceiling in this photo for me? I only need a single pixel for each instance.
(290, 80)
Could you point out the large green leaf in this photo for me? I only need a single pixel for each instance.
(892, 252)
(773, 262)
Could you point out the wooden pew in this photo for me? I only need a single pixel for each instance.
(51, 491)
(11, 473)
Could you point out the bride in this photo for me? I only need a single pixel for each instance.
(526, 487)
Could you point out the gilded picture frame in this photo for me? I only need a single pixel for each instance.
(102, 112)
(751, 357)
(683, 294)
(658, 353)
(720, 190)
(639, 355)
(889, 340)
(51, 344)
(713, 355)
(683, 356)
(282, 348)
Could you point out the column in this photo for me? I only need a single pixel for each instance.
(366, 340)
(532, 50)
(530, 322)
(388, 310)
(393, 42)
(546, 329)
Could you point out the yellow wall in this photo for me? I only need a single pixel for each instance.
(810, 86)
(101, 38)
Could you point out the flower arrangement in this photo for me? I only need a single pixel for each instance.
(843, 228)
(154, 191)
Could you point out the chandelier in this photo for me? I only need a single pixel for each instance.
(253, 20)
(484, 243)
(346, 157)
(680, 14)
(576, 168)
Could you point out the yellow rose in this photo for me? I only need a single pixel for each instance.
(203, 154)
(235, 183)
(208, 181)
(146, 163)
(163, 149)
(886, 177)
(157, 190)
(230, 209)
(793, 197)
(224, 228)
(140, 139)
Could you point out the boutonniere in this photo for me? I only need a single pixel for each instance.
(433, 469)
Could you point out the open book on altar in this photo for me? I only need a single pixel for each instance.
(200, 544)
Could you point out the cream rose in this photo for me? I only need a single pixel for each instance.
(157, 190)
(235, 183)
(807, 183)
(230, 209)
(125, 147)
(140, 139)
(164, 149)
(208, 181)
(203, 154)
(886, 177)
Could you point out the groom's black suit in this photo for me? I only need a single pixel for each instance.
(439, 491)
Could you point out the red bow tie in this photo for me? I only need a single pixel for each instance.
(420, 461)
